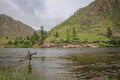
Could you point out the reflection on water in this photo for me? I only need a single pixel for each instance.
(29, 68)
(71, 64)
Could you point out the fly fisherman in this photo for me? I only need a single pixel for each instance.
(29, 56)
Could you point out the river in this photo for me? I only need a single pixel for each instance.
(49, 62)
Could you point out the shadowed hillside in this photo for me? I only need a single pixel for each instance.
(10, 28)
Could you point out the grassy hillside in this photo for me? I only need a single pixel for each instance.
(93, 21)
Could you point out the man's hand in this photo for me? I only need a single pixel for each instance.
(34, 53)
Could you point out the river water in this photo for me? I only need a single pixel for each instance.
(48, 62)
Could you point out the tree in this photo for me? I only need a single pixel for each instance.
(6, 37)
(43, 35)
(109, 32)
(28, 38)
(35, 37)
(10, 42)
(68, 34)
(56, 34)
(74, 34)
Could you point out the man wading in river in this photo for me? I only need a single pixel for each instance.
(29, 56)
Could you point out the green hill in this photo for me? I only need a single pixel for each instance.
(93, 21)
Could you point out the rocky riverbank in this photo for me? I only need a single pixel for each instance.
(66, 45)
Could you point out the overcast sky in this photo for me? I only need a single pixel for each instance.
(36, 13)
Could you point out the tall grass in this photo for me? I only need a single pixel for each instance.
(13, 73)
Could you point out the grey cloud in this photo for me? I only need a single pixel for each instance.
(28, 6)
(38, 13)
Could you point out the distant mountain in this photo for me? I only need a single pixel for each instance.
(94, 19)
(11, 28)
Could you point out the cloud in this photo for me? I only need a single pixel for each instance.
(38, 13)
(28, 6)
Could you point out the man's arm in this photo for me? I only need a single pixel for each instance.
(34, 53)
